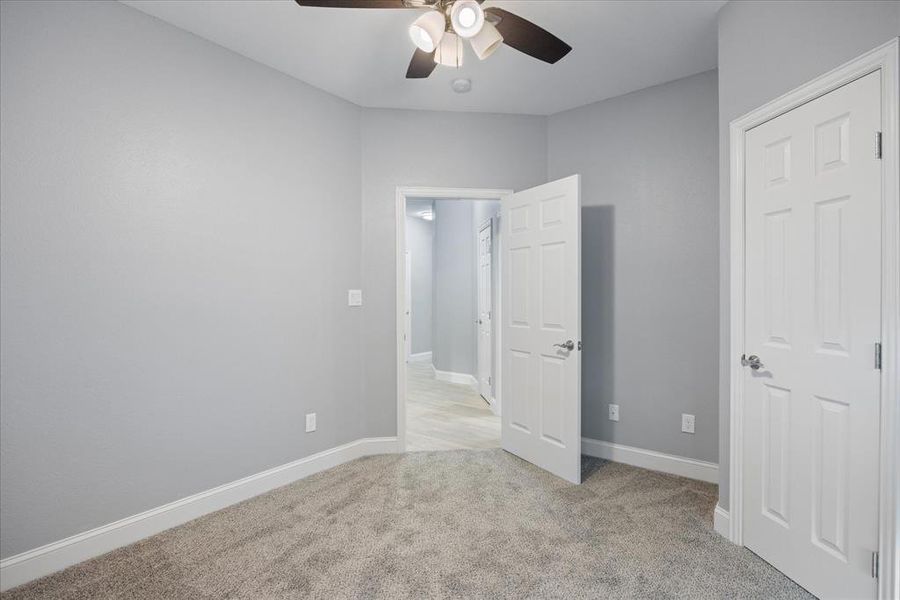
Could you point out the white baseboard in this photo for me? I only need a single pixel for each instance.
(650, 459)
(722, 522)
(420, 356)
(462, 378)
(55, 556)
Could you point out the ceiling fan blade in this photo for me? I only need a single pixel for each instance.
(355, 3)
(525, 36)
(421, 65)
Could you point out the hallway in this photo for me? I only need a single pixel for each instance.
(446, 416)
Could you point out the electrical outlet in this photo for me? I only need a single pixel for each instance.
(310, 422)
(687, 423)
(613, 412)
(354, 297)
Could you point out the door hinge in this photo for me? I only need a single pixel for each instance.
(490, 381)
(878, 355)
(875, 565)
(877, 144)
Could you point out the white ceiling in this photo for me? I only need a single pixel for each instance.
(362, 54)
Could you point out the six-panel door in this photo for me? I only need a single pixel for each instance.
(541, 296)
(485, 312)
(813, 202)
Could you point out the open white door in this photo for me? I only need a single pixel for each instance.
(541, 336)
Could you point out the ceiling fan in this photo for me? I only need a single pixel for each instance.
(438, 34)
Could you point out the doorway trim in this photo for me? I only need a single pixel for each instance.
(447, 193)
(884, 59)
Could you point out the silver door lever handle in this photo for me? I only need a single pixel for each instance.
(751, 361)
(566, 345)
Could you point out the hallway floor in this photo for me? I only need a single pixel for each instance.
(446, 416)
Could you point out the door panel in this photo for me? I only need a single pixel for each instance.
(518, 384)
(813, 219)
(553, 292)
(519, 286)
(778, 297)
(776, 459)
(830, 452)
(553, 387)
(541, 297)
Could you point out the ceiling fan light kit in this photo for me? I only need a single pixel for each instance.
(427, 31)
(450, 51)
(466, 18)
(487, 41)
(439, 32)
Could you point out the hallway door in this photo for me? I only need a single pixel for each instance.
(485, 312)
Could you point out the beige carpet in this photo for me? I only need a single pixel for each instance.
(456, 524)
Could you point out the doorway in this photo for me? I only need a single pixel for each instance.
(539, 344)
(450, 385)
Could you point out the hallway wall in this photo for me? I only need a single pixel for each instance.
(420, 243)
(454, 287)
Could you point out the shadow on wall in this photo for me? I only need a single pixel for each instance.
(598, 320)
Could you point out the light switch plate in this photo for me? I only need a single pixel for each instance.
(687, 423)
(354, 297)
(613, 412)
(310, 422)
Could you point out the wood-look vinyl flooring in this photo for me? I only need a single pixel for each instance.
(446, 416)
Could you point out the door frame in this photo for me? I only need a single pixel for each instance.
(487, 223)
(407, 302)
(444, 193)
(884, 59)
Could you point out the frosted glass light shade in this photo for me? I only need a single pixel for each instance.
(426, 31)
(486, 42)
(450, 51)
(466, 17)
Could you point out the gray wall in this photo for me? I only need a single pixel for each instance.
(454, 287)
(649, 274)
(766, 49)
(175, 258)
(455, 334)
(165, 205)
(477, 151)
(420, 242)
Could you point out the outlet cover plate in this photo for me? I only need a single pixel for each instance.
(687, 423)
(310, 422)
(613, 412)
